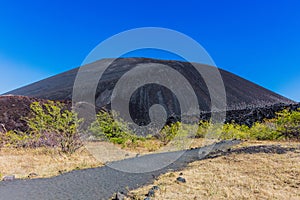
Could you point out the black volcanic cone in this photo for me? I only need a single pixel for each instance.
(240, 93)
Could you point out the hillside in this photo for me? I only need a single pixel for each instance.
(240, 93)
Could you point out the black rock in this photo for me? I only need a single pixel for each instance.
(31, 175)
(180, 179)
(155, 188)
(151, 193)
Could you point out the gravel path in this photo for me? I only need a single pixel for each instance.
(103, 182)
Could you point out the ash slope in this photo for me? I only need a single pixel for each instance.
(240, 93)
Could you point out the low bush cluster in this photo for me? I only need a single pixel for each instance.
(51, 125)
(285, 126)
(107, 127)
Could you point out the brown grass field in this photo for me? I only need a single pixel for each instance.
(234, 176)
(43, 162)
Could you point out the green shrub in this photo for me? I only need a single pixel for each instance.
(234, 131)
(15, 139)
(169, 132)
(52, 125)
(209, 130)
(12, 139)
(288, 124)
(203, 129)
(107, 128)
(285, 125)
(264, 131)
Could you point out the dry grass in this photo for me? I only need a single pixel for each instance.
(144, 147)
(47, 162)
(108, 152)
(43, 162)
(236, 176)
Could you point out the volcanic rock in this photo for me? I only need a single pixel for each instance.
(180, 179)
(14, 110)
(151, 193)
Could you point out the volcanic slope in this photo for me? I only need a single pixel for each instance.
(240, 93)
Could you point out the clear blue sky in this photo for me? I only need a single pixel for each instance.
(258, 40)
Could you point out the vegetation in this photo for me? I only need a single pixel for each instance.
(288, 124)
(50, 125)
(43, 161)
(169, 132)
(116, 131)
(106, 127)
(285, 126)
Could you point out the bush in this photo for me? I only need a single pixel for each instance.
(203, 129)
(107, 128)
(235, 131)
(52, 125)
(285, 125)
(14, 139)
(288, 124)
(168, 133)
(221, 131)
(264, 131)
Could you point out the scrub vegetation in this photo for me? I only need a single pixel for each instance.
(51, 125)
(286, 126)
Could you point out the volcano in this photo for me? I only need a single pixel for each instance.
(241, 94)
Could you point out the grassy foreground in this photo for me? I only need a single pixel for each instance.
(43, 162)
(234, 176)
(46, 162)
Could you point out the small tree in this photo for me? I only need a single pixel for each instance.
(114, 130)
(203, 129)
(169, 132)
(288, 124)
(52, 125)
